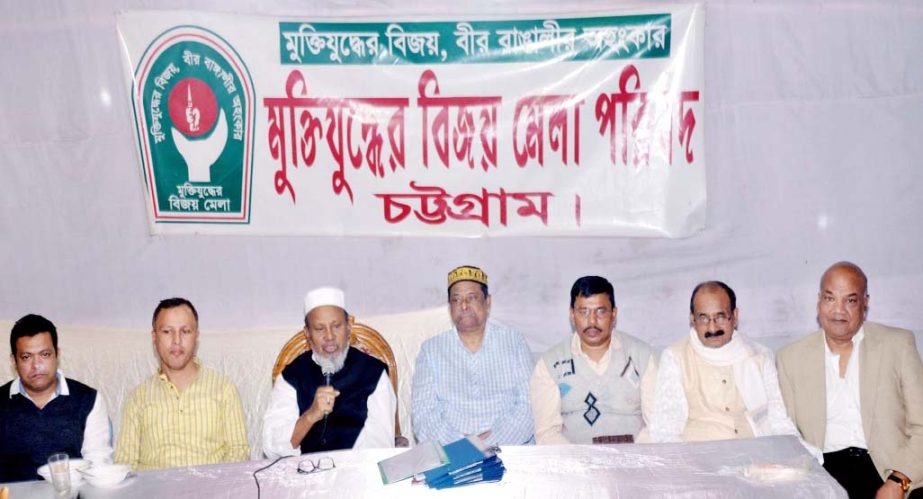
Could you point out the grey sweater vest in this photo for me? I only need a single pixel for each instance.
(595, 405)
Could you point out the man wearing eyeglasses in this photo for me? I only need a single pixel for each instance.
(588, 388)
(716, 384)
(855, 390)
(474, 378)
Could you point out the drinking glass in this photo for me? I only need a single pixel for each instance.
(59, 467)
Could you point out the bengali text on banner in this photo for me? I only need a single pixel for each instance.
(540, 125)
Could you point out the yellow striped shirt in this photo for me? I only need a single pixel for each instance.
(163, 427)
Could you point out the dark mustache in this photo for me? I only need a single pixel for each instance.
(717, 333)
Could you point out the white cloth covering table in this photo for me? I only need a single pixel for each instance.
(707, 469)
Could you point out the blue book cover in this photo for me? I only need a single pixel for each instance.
(491, 470)
(462, 455)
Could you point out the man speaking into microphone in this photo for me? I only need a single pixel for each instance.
(332, 396)
(715, 383)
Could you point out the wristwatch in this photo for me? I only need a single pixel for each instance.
(904, 482)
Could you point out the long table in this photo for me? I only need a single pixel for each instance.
(753, 468)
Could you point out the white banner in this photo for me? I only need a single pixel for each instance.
(589, 125)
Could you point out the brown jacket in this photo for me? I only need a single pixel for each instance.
(890, 394)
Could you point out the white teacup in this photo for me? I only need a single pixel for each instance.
(75, 465)
(106, 475)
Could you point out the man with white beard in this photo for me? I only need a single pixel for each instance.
(332, 396)
(716, 384)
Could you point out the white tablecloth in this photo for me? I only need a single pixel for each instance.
(741, 468)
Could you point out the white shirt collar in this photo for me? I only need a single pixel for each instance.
(576, 349)
(61, 389)
(856, 340)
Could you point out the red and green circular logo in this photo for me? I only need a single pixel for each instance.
(193, 107)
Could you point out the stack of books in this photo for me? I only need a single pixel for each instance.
(470, 461)
(462, 462)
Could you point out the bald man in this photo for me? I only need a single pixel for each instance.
(855, 390)
(716, 383)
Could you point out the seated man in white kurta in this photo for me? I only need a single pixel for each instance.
(716, 384)
(333, 396)
(587, 389)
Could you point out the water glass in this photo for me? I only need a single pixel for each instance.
(59, 467)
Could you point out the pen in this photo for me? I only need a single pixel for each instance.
(626, 367)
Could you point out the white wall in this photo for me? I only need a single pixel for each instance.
(814, 122)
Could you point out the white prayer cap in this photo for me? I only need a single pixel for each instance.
(324, 296)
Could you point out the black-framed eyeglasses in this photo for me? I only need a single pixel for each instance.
(309, 466)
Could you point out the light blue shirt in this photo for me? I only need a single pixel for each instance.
(458, 393)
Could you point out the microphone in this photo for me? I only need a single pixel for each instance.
(326, 368)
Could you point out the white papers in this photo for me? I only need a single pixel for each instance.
(423, 457)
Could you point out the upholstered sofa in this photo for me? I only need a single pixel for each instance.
(116, 360)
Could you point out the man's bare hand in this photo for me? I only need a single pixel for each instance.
(890, 490)
(324, 400)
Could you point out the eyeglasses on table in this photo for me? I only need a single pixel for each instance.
(309, 466)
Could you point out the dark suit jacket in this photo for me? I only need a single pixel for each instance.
(890, 395)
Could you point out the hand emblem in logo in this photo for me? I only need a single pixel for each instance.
(200, 129)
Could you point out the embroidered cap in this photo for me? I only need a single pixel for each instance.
(324, 296)
(467, 273)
